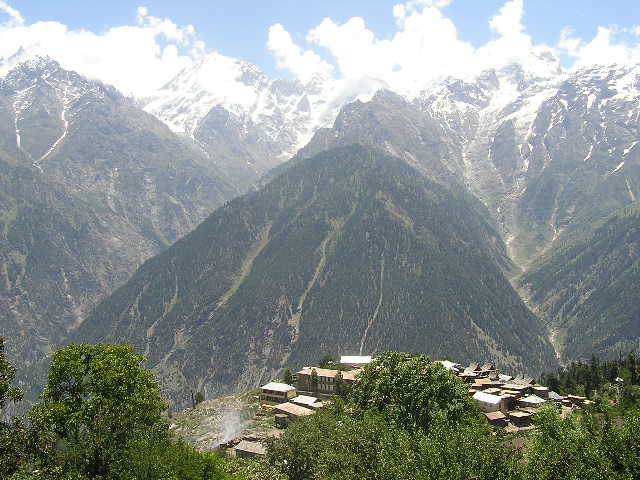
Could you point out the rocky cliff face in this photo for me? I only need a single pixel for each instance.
(91, 187)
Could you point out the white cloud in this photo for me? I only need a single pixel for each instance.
(603, 49)
(15, 18)
(426, 46)
(304, 64)
(137, 59)
(140, 58)
(508, 22)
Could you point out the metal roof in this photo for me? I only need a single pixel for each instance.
(277, 387)
(555, 396)
(304, 400)
(533, 399)
(358, 359)
(486, 397)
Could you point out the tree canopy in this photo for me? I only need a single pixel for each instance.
(412, 391)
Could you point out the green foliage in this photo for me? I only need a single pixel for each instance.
(327, 361)
(342, 387)
(97, 398)
(156, 455)
(8, 392)
(582, 446)
(13, 435)
(413, 392)
(199, 398)
(287, 377)
(615, 381)
(100, 418)
(333, 445)
(253, 469)
(313, 381)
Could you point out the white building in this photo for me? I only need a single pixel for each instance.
(356, 360)
(488, 402)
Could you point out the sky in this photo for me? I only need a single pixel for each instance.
(140, 45)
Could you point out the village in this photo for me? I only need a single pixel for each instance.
(508, 403)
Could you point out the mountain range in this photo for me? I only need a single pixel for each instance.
(492, 217)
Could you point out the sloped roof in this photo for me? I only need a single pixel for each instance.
(255, 448)
(449, 365)
(293, 409)
(304, 400)
(325, 372)
(495, 415)
(486, 397)
(358, 359)
(555, 396)
(277, 387)
(533, 399)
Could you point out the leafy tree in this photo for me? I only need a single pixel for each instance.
(342, 387)
(13, 434)
(287, 377)
(8, 392)
(327, 361)
(333, 445)
(313, 382)
(412, 391)
(568, 448)
(96, 400)
(156, 455)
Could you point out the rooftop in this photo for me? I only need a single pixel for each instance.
(519, 414)
(495, 415)
(325, 372)
(256, 448)
(277, 387)
(533, 399)
(304, 400)
(486, 397)
(293, 409)
(357, 359)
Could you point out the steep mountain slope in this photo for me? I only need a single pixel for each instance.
(549, 157)
(91, 186)
(58, 257)
(348, 251)
(587, 287)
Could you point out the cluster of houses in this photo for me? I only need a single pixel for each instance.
(508, 401)
(306, 397)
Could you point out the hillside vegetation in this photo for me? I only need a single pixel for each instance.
(586, 287)
(349, 251)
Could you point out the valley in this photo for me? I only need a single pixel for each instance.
(427, 223)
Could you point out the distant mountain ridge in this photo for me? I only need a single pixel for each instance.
(542, 158)
(91, 187)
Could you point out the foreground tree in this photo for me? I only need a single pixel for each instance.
(96, 400)
(413, 392)
(8, 392)
(333, 445)
(13, 434)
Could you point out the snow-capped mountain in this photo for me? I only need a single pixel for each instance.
(90, 187)
(535, 149)
(277, 117)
